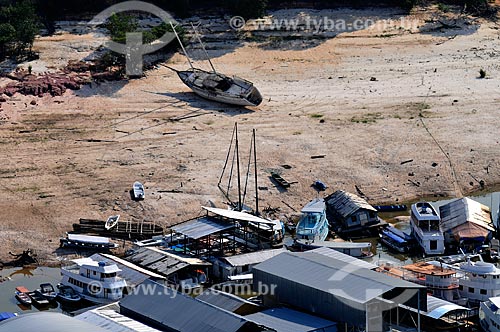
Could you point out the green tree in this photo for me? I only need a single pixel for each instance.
(119, 25)
(21, 24)
(7, 36)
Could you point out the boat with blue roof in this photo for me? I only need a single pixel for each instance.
(313, 225)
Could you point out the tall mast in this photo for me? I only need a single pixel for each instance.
(238, 167)
(204, 49)
(255, 171)
(182, 46)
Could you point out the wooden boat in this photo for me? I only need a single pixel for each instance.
(138, 191)
(67, 294)
(282, 182)
(112, 222)
(22, 296)
(89, 242)
(216, 86)
(354, 249)
(48, 291)
(37, 298)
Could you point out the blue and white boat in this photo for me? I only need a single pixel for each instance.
(313, 225)
(489, 314)
(426, 228)
(395, 239)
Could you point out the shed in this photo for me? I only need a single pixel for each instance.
(229, 302)
(168, 310)
(466, 221)
(288, 320)
(350, 210)
(329, 252)
(224, 267)
(334, 289)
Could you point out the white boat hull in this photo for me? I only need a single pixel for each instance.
(221, 98)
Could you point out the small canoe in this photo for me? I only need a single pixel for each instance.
(67, 294)
(37, 298)
(111, 222)
(22, 296)
(138, 191)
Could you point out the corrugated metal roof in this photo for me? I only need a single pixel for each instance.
(161, 261)
(237, 215)
(464, 210)
(47, 322)
(343, 257)
(179, 312)
(345, 203)
(331, 275)
(317, 205)
(201, 227)
(224, 300)
(111, 320)
(437, 308)
(253, 257)
(133, 274)
(288, 320)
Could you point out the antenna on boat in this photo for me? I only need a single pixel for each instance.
(255, 171)
(238, 166)
(203, 46)
(182, 46)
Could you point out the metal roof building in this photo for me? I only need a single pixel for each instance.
(109, 318)
(228, 301)
(163, 262)
(466, 219)
(288, 320)
(334, 289)
(47, 322)
(329, 252)
(168, 310)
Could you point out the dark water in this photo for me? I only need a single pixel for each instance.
(29, 278)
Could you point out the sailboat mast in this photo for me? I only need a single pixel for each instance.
(204, 49)
(255, 171)
(238, 167)
(182, 46)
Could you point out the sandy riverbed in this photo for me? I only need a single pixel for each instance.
(367, 100)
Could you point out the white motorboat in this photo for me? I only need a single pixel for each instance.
(313, 225)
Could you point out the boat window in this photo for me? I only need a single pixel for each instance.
(353, 218)
(471, 289)
(483, 292)
(460, 287)
(433, 244)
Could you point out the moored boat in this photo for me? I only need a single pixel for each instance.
(48, 291)
(21, 294)
(489, 314)
(395, 239)
(67, 294)
(94, 281)
(38, 299)
(111, 222)
(426, 229)
(90, 242)
(313, 225)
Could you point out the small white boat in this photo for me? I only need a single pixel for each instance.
(88, 242)
(111, 222)
(354, 249)
(426, 229)
(138, 191)
(313, 225)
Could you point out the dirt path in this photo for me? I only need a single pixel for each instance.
(366, 100)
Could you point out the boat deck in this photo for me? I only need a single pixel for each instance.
(429, 269)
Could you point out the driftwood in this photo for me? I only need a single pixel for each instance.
(27, 257)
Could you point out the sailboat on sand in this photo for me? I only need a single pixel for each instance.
(217, 86)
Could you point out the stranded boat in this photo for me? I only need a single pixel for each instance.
(426, 229)
(216, 86)
(354, 249)
(313, 225)
(395, 239)
(94, 281)
(137, 191)
(88, 242)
